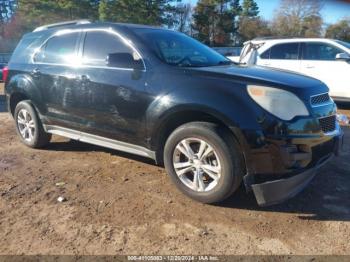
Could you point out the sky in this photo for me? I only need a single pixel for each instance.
(332, 11)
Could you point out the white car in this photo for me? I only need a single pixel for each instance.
(232, 53)
(325, 59)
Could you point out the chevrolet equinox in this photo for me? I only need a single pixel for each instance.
(161, 94)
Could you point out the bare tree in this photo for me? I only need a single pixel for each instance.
(184, 16)
(298, 18)
(250, 28)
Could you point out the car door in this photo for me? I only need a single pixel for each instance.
(319, 61)
(54, 73)
(281, 56)
(112, 98)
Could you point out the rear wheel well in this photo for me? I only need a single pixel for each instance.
(15, 99)
(178, 120)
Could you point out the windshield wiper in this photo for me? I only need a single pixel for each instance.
(225, 62)
(205, 65)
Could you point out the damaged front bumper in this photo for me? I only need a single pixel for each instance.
(276, 191)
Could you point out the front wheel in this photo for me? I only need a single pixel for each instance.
(203, 161)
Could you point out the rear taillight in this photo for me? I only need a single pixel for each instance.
(5, 73)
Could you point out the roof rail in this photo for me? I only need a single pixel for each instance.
(278, 37)
(67, 23)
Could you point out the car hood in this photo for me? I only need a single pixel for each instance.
(293, 82)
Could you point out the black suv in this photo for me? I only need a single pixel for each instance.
(163, 95)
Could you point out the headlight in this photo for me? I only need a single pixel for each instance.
(283, 104)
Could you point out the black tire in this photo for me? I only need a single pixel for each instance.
(225, 147)
(40, 138)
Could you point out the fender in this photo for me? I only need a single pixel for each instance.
(24, 85)
(226, 107)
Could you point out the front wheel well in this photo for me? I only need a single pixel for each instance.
(176, 120)
(15, 99)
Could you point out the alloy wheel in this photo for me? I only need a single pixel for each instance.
(197, 164)
(26, 125)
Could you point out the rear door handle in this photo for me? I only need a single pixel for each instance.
(36, 72)
(310, 66)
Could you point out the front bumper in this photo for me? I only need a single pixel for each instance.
(276, 191)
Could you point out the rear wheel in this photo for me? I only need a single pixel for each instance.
(29, 126)
(203, 161)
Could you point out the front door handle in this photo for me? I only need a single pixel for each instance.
(36, 72)
(310, 66)
(83, 79)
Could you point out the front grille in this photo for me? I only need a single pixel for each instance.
(320, 99)
(328, 123)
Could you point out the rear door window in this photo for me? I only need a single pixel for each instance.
(59, 49)
(288, 51)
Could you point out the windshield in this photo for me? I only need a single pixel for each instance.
(178, 49)
(346, 44)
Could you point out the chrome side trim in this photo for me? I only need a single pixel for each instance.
(81, 64)
(100, 141)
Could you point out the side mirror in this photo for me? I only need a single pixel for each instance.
(342, 56)
(124, 60)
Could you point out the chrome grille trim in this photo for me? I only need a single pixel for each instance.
(320, 100)
(328, 123)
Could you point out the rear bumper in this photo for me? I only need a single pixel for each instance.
(277, 191)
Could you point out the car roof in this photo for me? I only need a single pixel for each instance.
(289, 40)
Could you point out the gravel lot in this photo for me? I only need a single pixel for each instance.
(122, 204)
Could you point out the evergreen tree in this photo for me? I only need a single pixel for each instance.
(216, 21)
(7, 29)
(78, 9)
(103, 10)
(7, 9)
(34, 13)
(236, 10)
(250, 8)
(250, 28)
(151, 12)
(250, 24)
(340, 30)
(205, 16)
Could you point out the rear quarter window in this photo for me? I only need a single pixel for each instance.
(26, 48)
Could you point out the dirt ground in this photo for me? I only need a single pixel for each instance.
(122, 204)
